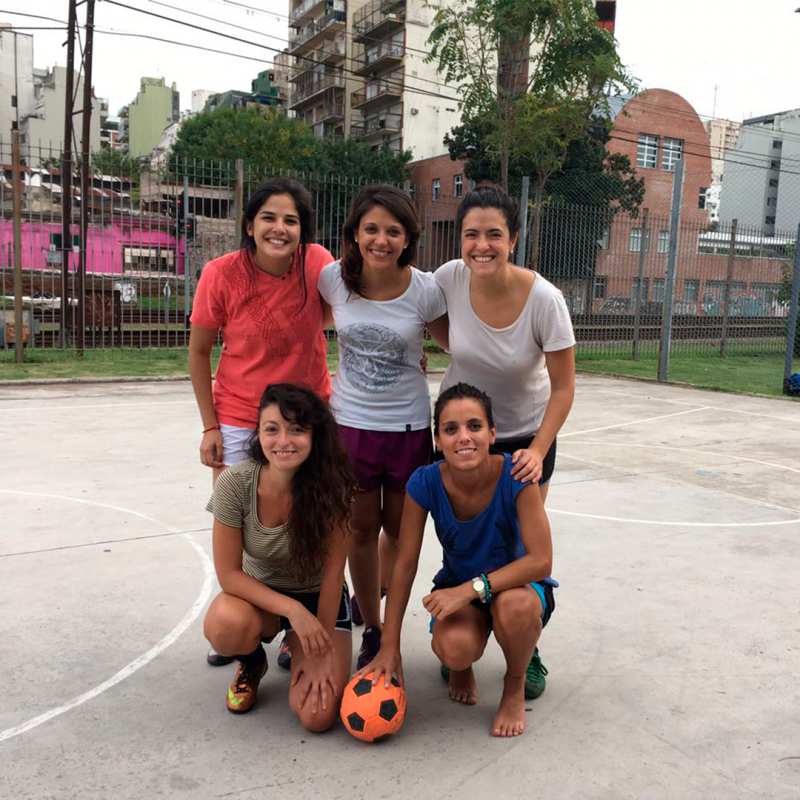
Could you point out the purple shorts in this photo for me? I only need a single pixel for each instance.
(386, 458)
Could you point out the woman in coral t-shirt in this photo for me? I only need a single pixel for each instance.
(263, 298)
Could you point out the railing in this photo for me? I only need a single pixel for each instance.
(384, 50)
(303, 9)
(383, 123)
(375, 90)
(377, 13)
(315, 87)
(310, 31)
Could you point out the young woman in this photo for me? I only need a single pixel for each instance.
(263, 299)
(497, 559)
(510, 334)
(281, 524)
(381, 305)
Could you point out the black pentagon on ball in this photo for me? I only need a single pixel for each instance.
(388, 710)
(395, 682)
(362, 687)
(355, 722)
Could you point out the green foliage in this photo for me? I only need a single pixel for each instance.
(114, 162)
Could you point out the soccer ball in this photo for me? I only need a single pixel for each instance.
(372, 713)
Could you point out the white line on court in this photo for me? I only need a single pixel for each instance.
(689, 450)
(689, 524)
(188, 618)
(99, 405)
(632, 422)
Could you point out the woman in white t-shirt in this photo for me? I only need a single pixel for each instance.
(510, 335)
(381, 306)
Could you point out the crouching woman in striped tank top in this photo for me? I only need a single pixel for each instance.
(280, 538)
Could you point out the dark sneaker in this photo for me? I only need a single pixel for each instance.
(370, 645)
(534, 677)
(243, 692)
(358, 620)
(216, 660)
(445, 673)
(285, 655)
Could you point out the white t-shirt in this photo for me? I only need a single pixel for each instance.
(379, 385)
(506, 363)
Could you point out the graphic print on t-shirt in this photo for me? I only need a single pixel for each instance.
(373, 356)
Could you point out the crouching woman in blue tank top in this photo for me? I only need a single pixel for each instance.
(495, 576)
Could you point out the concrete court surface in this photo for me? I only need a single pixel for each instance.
(674, 652)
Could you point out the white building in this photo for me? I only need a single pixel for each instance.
(761, 188)
(722, 136)
(16, 79)
(42, 132)
(199, 98)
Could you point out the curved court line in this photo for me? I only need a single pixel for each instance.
(632, 422)
(188, 618)
(691, 450)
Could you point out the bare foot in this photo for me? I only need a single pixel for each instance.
(510, 718)
(462, 686)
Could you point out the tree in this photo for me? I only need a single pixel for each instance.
(532, 75)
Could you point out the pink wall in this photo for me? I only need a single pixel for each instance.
(104, 246)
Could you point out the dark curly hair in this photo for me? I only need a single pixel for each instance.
(302, 200)
(322, 489)
(489, 197)
(400, 206)
(461, 391)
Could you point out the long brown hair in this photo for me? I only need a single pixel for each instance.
(322, 489)
(399, 205)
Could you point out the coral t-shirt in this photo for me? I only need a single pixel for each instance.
(270, 335)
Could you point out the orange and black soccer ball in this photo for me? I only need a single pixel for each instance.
(372, 713)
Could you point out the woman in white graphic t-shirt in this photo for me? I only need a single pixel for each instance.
(510, 335)
(381, 306)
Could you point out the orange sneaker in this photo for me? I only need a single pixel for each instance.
(243, 692)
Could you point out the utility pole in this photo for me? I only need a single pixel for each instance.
(86, 187)
(66, 176)
(16, 176)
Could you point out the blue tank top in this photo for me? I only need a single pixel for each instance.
(483, 544)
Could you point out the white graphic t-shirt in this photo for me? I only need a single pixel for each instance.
(379, 385)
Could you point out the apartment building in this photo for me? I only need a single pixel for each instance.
(762, 175)
(320, 41)
(722, 136)
(17, 95)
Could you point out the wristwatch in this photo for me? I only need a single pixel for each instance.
(480, 588)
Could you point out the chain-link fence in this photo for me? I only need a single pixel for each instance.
(130, 284)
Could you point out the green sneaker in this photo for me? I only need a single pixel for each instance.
(534, 677)
(445, 673)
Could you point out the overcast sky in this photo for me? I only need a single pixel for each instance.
(749, 50)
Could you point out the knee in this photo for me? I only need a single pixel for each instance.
(228, 628)
(319, 722)
(517, 610)
(364, 534)
(455, 649)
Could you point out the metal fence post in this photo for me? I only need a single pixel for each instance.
(669, 285)
(791, 333)
(637, 317)
(726, 312)
(16, 176)
(239, 193)
(186, 277)
(522, 244)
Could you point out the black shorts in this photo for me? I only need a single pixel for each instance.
(511, 446)
(310, 600)
(544, 590)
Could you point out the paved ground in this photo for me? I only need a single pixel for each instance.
(673, 654)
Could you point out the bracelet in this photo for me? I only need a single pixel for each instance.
(487, 586)
(212, 428)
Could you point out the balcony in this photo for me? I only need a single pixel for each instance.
(378, 19)
(377, 93)
(308, 37)
(385, 55)
(299, 14)
(329, 112)
(305, 93)
(333, 50)
(377, 126)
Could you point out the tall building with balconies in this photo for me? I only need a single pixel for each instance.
(403, 104)
(321, 81)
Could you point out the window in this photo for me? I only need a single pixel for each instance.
(663, 241)
(772, 201)
(458, 185)
(672, 153)
(642, 294)
(422, 239)
(701, 203)
(602, 242)
(770, 220)
(647, 151)
(777, 144)
(13, 101)
(636, 240)
(775, 163)
(437, 184)
(412, 191)
(773, 182)
(691, 290)
(147, 259)
(599, 287)
(768, 292)
(659, 286)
